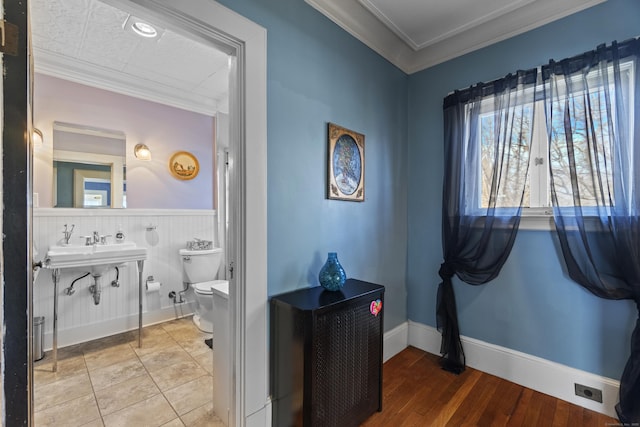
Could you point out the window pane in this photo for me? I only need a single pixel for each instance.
(505, 141)
(585, 123)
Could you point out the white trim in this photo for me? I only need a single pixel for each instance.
(78, 71)
(420, 44)
(529, 371)
(361, 23)
(395, 341)
(483, 36)
(85, 333)
(72, 212)
(89, 131)
(537, 222)
(368, 29)
(88, 158)
(424, 337)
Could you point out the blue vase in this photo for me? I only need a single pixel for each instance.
(332, 275)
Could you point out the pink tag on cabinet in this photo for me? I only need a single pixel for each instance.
(375, 307)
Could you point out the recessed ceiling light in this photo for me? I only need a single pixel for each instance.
(143, 29)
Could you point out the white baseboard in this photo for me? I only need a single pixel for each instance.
(395, 341)
(107, 328)
(529, 371)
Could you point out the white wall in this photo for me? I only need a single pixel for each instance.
(79, 319)
(163, 129)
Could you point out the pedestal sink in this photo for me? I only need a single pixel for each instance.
(97, 258)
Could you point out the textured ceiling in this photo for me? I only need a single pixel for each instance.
(84, 41)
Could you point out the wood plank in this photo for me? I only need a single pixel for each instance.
(451, 406)
(414, 419)
(502, 405)
(518, 417)
(575, 415)
(589, 419)
(418, 393)
(547, 411)
(471, 409)
(561, 416)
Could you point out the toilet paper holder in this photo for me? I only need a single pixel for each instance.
(150, 279)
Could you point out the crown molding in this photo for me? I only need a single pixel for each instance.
(352, 17)
(56, 65)
(363, 24)
(420, 44)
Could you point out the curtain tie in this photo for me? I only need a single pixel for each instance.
(447, 270)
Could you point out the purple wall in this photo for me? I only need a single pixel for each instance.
(163, 129)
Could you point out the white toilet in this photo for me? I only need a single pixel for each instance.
(199, 270)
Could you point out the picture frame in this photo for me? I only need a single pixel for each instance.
(184, 165)
(345, 176)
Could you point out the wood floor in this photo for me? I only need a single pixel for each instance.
(416, 392)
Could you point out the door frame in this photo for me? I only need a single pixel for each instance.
(248, 150)
(16, 226)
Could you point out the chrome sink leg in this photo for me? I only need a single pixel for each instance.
(56, 279)
(140, 268)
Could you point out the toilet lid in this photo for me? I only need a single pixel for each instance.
(204, 288)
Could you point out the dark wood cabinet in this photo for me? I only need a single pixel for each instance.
(326, 355)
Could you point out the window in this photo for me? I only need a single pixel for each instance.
(522, 145)
(534, 148)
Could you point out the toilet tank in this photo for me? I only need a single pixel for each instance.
(201, 265)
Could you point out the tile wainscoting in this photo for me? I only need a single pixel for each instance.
(79, 319)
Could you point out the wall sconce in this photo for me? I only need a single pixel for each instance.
(37, 138)
(142, 152)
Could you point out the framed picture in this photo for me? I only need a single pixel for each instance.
(184, 165)
(346, 164)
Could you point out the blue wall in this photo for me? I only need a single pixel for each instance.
(65, 181)
(532, 306)
(318, 73)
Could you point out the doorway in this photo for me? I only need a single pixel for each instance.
(247, 173)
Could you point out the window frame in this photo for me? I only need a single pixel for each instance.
(539, 215)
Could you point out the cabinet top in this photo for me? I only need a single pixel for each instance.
(317, 297)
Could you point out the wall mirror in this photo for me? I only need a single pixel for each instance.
(89, 169)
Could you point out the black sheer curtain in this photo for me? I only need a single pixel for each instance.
(592, 109)
(488, 135)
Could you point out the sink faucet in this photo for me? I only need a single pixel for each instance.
(92, 239)
(67, 233)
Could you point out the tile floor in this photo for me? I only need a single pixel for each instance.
(111, 382)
